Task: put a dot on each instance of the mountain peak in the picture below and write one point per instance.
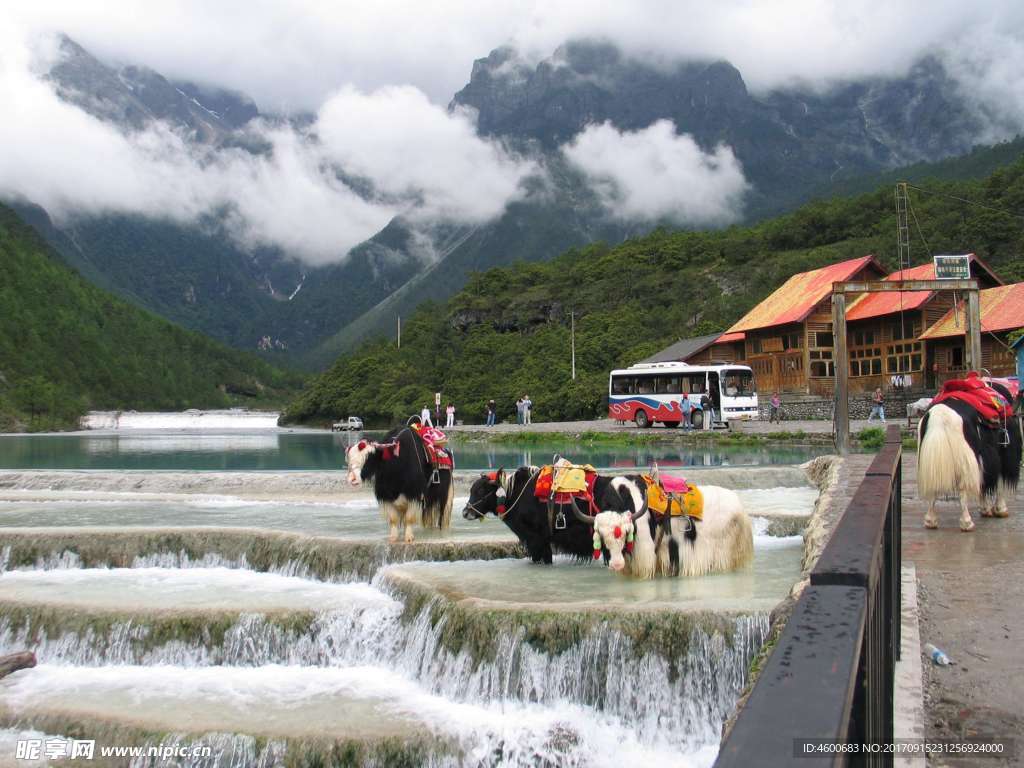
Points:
(132, 96)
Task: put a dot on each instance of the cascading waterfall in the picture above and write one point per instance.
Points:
(605, 670)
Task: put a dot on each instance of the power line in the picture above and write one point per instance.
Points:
(969, 202)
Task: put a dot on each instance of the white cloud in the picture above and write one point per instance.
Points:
(411, 147)
(291, 55)
(654, 174)
(426, 162)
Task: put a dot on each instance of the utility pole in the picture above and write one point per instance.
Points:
(902, 226)
(572, 336)
(841, 415)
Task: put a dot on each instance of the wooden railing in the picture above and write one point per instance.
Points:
(825, 694)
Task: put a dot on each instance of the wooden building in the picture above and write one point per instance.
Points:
(1002, 311)
(787, 339)
(885, 331)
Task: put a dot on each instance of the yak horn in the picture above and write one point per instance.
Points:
(582, 516)
(643, 508)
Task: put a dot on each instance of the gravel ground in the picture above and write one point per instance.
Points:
(971, 588)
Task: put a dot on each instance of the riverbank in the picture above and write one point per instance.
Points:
(866, 434)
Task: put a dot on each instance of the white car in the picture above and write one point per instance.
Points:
(352, 424)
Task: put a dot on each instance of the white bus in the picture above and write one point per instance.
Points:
(650, 392)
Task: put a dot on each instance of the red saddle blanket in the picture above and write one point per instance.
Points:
(973, 390)
(439, 457)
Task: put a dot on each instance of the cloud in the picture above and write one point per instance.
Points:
(413, 148)
(421, 161)
(293, 55)
(654, 174)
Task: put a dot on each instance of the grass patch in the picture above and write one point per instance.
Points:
(872, 438)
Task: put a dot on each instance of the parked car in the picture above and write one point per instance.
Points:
(352, 424)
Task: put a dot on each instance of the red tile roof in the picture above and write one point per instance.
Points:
(727, 337)
(1002, 309)
(798, 296)
(869, 305)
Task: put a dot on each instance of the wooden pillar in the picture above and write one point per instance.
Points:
(842, 366)
(973, 331)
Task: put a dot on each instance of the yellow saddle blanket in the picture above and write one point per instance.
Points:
(690, 504)
(565, 477)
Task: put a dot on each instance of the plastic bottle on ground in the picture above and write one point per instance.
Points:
(937, 656)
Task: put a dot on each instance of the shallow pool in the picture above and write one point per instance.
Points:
(759, 586)
(351, 518)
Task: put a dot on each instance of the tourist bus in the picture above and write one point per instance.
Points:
(650, 392)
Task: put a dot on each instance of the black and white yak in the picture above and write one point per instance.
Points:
(960, 455)
(542, 530)
(407, 489)
(720, 542)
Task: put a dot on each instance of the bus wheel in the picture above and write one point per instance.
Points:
(641, 419)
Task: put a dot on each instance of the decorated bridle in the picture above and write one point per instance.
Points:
(500, 495)
(388, 450)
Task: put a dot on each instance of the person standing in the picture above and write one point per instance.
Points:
(527, 410)
(708, 406)
(449, 412)
(877, 405)
(491, 412)
(684, 406)
(519, 411)
(425, 419)
(776, 412)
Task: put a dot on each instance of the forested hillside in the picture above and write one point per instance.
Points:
(507, 332)
(67, 346)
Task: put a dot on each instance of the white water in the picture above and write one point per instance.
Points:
(603, 685)
(603, 701)
(239, 419)
(288, 701)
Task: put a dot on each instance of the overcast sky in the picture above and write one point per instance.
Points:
(379, 76)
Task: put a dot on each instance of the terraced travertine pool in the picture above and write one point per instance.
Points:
(237, 622)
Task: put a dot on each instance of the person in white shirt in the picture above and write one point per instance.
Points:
(450, 413)
(425, 419)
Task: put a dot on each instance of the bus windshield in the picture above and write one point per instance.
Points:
(738, 383)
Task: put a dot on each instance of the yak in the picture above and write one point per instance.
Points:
(542, 530)
(408, 488)
(721, 541)
(959, 454)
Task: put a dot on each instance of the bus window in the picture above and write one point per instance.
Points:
(645, 385)
(694, 383)
(667, 385)
(738, 383)
(622, 385)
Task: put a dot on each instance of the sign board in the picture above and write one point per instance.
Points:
(953, 267)
(771, 344)
(437, 398)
